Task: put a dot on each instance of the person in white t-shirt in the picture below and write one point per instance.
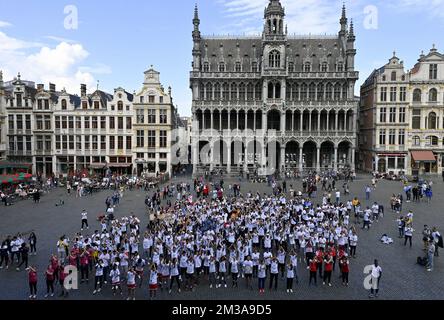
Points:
(115, 279)
(84, 215)
(131, 283)
(153, 281)
(376, 273)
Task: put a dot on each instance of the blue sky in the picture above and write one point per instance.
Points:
(116, 41)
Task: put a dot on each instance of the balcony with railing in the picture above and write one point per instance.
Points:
(19, 152)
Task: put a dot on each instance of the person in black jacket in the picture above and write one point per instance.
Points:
(32, 243)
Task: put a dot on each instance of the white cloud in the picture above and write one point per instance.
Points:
(4, 24)
(63, 64)
(60, 39)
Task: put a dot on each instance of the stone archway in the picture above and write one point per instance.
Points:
(345, 154)
(327, 155)
(274, 120)
(292, 155)
(309, 154)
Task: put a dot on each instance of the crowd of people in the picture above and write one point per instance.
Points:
(214, 235)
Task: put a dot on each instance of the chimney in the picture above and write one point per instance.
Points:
(40, 87)
(83, 90)
(52, 87)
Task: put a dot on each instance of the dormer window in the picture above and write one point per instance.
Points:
(274, 59)
(19, 99)
(384, 78)
(393, 76)
(324, 67)
(64, 107)
(120, 106)
(340, 67)
(96, 105)
(46, 104)
(150, 99)
(84, 105)
(254, 67)
(39, 104)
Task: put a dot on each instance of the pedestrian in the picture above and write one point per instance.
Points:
(84, 215)
(290, 277)
(98, 280)
(32, 243)
(345, 269)
(49, 274)
(366, 218)
(32, 279)
(24, 250)
(368, 191)
(4, 254)
(274, 272)
(174, 274)
(376, 274)
(328, 268)
(313, 267)
(114, 274)
(153, 281)
(408, 233)
(261, 275)
(131, 284)
(62, 277)
(248, 270)
(430, 255)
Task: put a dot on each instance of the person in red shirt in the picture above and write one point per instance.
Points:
(73, 258)
(55, 266)
(313, 267)
(320, 259)
(32, 278)
(62, 276)
(345, 269)
(84, 264)
(328, 269)
(333, 253)
(49, 274)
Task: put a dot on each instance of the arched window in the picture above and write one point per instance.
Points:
(217, 91)
(250, 92)
(120, 106)
(393, 76)
(307, 67)
(202, 92)
(431, 141)
(345, 92)
(337, 95)
(238, 67)
(417, 95)
(340, 66)
(270, 90)
(221, 67)
(291, 67)
(384, 78)
(209, 92)
(304, 92)
(432, 121)
(295, 92)
(416, 141)
(206, 67)
(329, 91)
(241, 91)
(225, 92)
(258, 91)
(277, 90)
(433, 95)
(233, 91)
(64, 104)
(312, 92)
(320, 95)
(274, 59)
(324, 67)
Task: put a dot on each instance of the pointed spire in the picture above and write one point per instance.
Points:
(18, 76)
(351, 34)
(196, 12)
(344, 12)
(433, 48)
(343, 21)
(1, 76)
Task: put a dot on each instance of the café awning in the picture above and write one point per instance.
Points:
(14, 178)
(423, 156)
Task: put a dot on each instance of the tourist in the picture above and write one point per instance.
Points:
(131, 284)
(115, 279)
(376, 274)
(408, 233)
(32, 279)
(345, 269)
(32, 243)
(262, 275)
(84, 215)
(153, 281)
(49, 274)
(430, 255)
(99, 276)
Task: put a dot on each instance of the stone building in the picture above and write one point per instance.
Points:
(274, 101)
(402, 117)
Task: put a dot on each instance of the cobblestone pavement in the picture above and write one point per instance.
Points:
(402, 277)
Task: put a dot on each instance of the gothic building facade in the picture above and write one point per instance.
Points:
(277, 101)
